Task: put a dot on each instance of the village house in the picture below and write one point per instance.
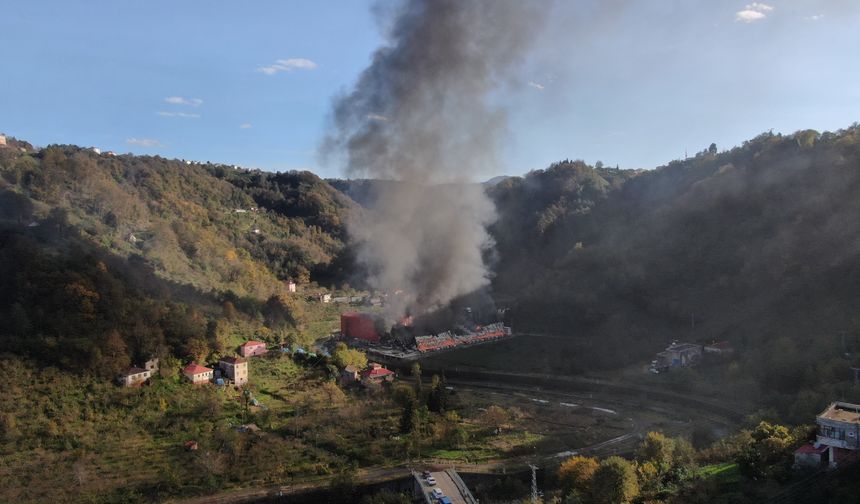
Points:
(325, 298)
(677, 355)
(197, 374)
(376, 374)
(2, 140)
(151, 365)
(235, 368)
(349, 375)
(838, 439)
(133, 377)
(252, 348)
(291, 286)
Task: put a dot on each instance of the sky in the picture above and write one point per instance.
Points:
(629, 83)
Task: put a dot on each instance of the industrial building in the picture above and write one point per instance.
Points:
(677, 355)
(361, 326)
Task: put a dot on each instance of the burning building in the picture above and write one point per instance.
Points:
(362, 326)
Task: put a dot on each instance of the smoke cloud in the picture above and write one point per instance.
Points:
(423, 114)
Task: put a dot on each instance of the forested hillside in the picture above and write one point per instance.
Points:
(758, 245)
(107, 259)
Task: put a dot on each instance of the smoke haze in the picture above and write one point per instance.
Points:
(421, 114)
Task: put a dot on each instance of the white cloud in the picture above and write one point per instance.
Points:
(535, 85)
(377, 117)
(816, 17)
(179, 114)
(755, 11)
(178, 100)
(143, 142)
(287, 65)
(245, 125)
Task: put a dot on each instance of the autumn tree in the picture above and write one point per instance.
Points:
(113, 355)
(575, 474)
(614, 482)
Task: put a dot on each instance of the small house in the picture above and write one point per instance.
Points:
(291, 286)
(151, 365)
(197, 374)
(235, 368)
(2, 140)
(811, 456)
(252, 348)
(325, 298)
(133, 377)
(349, 375)
(376, 373)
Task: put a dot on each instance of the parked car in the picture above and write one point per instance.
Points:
(426, 474)
(437, 494)
(444, 500)
(431, 481)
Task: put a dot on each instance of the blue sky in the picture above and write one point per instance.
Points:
(251, 83)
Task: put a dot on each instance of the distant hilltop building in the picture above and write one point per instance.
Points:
(2, 140)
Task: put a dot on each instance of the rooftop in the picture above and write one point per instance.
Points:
(842, 412)
(233, 360)
(133, 371)
(377, 372)
(811, 448)
(683, 346)
(194, 369)
(253, 343)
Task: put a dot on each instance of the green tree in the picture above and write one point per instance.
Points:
(614, 482)
(416, 373)
(15, 206)
(769, 452)
(344, 356)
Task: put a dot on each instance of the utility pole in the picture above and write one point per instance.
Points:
(535, 492)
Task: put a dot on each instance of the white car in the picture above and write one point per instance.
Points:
(437, 493)
(431, 481)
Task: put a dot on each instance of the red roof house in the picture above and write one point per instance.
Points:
(377, 374)
(252, 348)
(811, 455)
(197, 374)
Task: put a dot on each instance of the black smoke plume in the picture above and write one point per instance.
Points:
(425, 113)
